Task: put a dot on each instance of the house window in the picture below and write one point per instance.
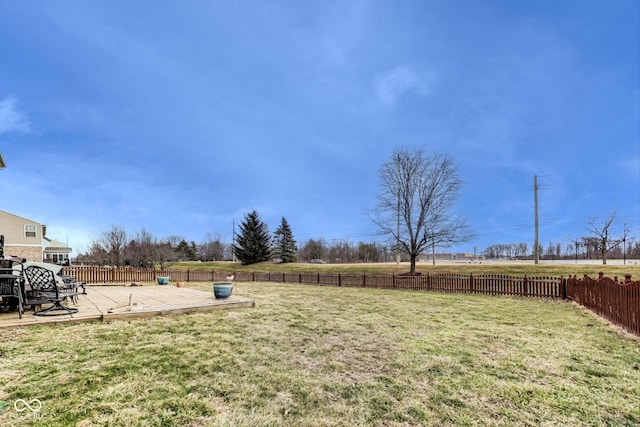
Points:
(29, 231)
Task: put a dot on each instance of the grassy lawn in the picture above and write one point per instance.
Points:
(325, 356)
(512, 268)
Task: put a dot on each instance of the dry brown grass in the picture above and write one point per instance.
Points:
(327, 356)
(513, 268)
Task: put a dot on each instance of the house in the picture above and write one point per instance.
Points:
(56, 252)
(27, 239)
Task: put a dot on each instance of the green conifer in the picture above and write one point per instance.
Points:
(252, 243)
(283, 245)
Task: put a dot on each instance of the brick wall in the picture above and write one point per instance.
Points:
(30, 253)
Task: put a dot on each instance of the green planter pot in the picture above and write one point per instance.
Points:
(222, 290)
(163, 280)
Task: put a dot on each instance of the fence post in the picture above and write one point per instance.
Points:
(472, 287)
(525, 286)
(563, 287)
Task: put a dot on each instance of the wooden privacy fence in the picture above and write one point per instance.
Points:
(91, 274)
(548, 287)
(618, 302)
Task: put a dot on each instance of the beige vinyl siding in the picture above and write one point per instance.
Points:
(13, 228)
(16, 242)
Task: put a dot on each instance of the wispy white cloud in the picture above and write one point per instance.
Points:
(11, 119)
(250, 113)
(396, 83)
(334, 36)
(631, 166)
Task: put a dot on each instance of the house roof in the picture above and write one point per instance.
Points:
(19, 217)
(54, 245)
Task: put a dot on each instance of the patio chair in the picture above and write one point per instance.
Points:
(12, 285)
(45, 290)
(73, 287)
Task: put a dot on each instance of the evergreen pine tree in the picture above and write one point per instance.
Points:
(193, 251)
(186, 252)
(284, 246)
(252, 243)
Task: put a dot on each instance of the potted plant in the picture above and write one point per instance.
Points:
(222, 290)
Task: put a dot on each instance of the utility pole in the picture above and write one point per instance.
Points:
(233, 241)
(433, 251)
(536, 250)
(624, 244)
(398, 234)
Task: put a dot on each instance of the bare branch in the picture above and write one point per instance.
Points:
(602, 240)
(414, 206)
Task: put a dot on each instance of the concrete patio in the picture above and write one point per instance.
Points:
(105, 303)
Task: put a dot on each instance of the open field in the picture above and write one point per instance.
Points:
(513, 268)
(326, 356)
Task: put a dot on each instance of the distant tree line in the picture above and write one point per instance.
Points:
(345, 252)
(142, 249)
(507, 250)
(600, 244)
(116, 247)
(583, 248)
(254, 243)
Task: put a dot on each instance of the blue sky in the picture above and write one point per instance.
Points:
(181, 117)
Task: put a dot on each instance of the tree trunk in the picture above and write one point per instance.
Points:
(413, 264)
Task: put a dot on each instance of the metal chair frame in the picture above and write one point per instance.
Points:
(44, 290)
(11, 284)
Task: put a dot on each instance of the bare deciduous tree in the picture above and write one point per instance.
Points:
(140, 251)
(601, 239)
(313, 249)
(164, 252)
(112, 242)
(416, 202)
(212, 248)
